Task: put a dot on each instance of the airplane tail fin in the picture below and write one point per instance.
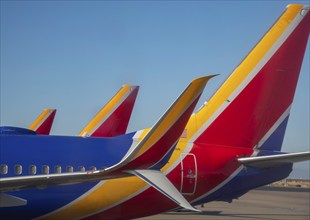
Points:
(112, 120)
(156, 146)
(43, 124)
(252, 107)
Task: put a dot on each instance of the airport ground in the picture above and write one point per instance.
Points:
(272, 203)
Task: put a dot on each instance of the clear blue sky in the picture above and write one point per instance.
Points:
(74, 55)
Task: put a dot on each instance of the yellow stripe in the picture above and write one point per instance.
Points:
(89, 128)
(34, 126)
(101, 197)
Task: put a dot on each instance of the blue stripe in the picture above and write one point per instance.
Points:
(274, 142)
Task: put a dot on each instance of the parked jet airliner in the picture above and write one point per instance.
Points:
(230, 146)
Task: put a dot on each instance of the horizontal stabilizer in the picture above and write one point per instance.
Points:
(11, 201)
(274, 160)
(161, 183)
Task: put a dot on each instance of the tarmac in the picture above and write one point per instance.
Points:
(263, 204)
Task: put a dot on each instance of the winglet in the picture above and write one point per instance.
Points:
(151, 151)
(43, 124)
(161, 183)
(113, 118)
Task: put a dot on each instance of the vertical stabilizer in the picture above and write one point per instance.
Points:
(113, 118)
(252, 107)
(43, 124)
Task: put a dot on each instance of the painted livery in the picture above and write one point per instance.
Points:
(230, 146)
